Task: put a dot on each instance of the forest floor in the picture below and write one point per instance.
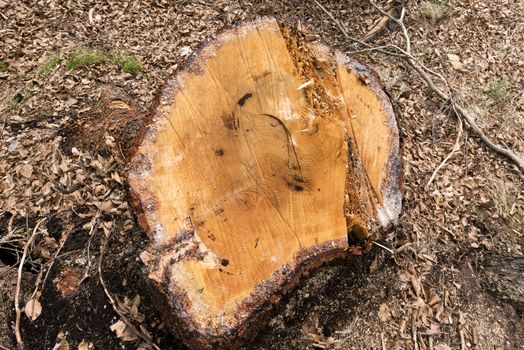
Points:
(456, 277)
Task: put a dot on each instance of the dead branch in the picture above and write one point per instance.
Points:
(19, 341)
(344, 31)
(462, 112)
(424, 73)
(114, 303)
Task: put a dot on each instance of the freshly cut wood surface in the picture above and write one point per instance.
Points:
(260, 159)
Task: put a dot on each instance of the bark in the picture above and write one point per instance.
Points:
(504, 278)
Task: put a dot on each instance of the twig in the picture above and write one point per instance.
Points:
(19, 342)
(345, 32)
(384, 247)
(423, 72)
(49, 267)
(455, 148)
(3, 347)
(94, 225)
(383, 341)
(378, 26)
(414, 330)
(114, 304)
(462, 112)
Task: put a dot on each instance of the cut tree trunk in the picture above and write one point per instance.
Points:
(264, 158)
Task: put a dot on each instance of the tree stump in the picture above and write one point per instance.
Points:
(265, 157)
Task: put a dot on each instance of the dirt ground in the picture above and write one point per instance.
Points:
(456, 278)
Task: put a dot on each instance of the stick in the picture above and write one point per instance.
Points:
(381, 24)
(345, 33)
(94, 226)
(423, 72)
(384, 247)
(49, 266)
(462, 112)
(114, 303)
(19, 341)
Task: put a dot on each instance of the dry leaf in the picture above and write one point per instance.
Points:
(62, 343)
(384, 313)
(26, 171)
(374, 265)
(123, 331)
(442, 346)
(84, 345)
(33, 309)
(455, 62)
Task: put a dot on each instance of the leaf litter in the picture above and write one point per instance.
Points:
(428, 295)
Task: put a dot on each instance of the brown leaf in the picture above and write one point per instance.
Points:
(455, 62)
(62, 343)
(84, 345)
(123, 331)
(33, 309)
(26, 170)
(384, 313)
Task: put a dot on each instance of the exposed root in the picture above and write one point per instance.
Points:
(18, 311)
(114, 303)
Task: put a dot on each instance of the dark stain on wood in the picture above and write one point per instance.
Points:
(244, 98)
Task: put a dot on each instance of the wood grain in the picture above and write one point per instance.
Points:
(259, 159)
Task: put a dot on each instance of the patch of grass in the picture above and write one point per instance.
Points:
(83, 57)
(434, 10)
(48, 65)
(499, 90)
(128, 64)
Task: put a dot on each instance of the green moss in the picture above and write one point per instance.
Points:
(128, 64)
(48, 65)
(3, 66)
(83, 57)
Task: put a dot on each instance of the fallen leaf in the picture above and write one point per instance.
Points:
(33, 309)
(442, 346)
(455, 62)
(13, 146)
(123, 331)
(26, 171)
(84, 345)
(374, 265)
(384, 313)
(62, 343)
